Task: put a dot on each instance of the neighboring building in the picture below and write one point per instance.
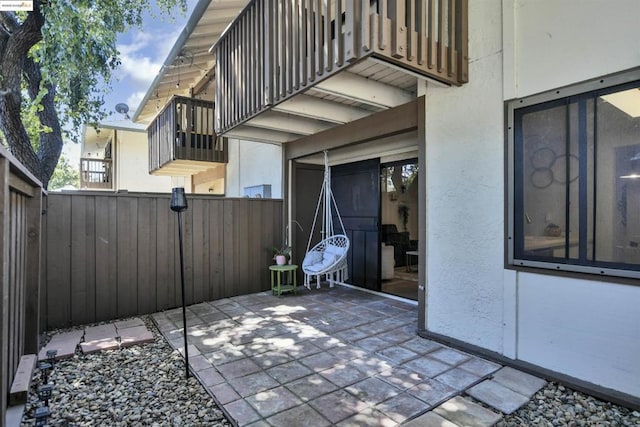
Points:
(506, 116)
(115, 158)
(182, 140)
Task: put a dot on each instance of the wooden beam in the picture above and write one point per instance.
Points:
(363, 90)
(321, 109)
(251, 133)
(216, 172)
(17, 184)
(386, 123)
(285, 122)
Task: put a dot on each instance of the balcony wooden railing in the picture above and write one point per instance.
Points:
(277, 48)
(184, 130)
(96, 174)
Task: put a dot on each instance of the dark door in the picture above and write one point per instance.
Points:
(307, 186)
(356, 189)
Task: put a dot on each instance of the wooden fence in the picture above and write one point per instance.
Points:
(20, 230)
(116, 255)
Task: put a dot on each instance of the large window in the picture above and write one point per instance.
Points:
(574, 178)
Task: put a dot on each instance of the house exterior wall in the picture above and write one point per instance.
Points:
(132, 165)
(253, 163)
(585, 328)
(465, 192)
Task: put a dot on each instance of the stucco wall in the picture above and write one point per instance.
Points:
(253, 163)
(465, 192)
(132, 165)
(589, 329)
(550, 43)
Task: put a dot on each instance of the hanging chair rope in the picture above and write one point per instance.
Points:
(327, 257)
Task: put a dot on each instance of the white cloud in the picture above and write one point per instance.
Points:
(134, 100)
(142, 58)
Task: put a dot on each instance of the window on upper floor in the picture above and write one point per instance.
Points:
(574, 178)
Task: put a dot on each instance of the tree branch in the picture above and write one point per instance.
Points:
(9, 21)
(51, 142)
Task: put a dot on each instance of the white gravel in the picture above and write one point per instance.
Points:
(556, 405)
(139, 385)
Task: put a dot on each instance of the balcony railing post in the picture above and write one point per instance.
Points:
(398, 28)
(462, 26)
(276, 48)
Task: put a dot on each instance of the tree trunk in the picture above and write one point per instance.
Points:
(14, 48)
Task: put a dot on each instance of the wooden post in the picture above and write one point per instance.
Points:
(33, 266)
(4, 286)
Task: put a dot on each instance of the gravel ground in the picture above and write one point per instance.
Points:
(145, 385)
(556, 405)
(138, 385)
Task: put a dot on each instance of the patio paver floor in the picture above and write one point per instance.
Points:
(335, 356)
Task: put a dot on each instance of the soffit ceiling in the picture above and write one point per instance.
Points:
(189, 66)
(367, 87)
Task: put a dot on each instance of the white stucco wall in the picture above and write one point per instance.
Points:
(558, 43)
(465, 192)
(585, 328)
(132, 165)
(253, 163)
(588, 329)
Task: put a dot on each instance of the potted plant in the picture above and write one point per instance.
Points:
(280, 255)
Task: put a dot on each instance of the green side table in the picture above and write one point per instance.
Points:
(278, 288)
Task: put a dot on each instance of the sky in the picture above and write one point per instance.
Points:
(142, 53)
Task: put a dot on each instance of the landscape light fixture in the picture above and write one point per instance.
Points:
(179, 204)
(45, 367)
(45, 392)
(42, 414)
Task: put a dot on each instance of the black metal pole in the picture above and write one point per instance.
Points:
(184, 304)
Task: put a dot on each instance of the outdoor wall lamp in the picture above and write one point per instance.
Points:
(178, 205)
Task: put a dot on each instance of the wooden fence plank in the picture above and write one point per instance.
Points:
(127, 245)
(59, 261)
(82, 260)
(106, 258)
(4, 285)
(216, 245)
(230, 252)
(147, 243)
(165, 279)
(33, 267)
(200, 249)
(187, 249)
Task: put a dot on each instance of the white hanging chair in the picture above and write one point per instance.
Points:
(329, 256)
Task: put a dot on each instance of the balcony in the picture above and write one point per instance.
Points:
(96, 174)
(182, 140)
(290, 68)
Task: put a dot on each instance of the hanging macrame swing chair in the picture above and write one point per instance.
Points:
(329, 256)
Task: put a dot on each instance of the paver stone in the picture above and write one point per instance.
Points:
(498, 396)
(463, 412)
(519, 381)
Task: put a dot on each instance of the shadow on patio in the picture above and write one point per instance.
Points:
(331, 356)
